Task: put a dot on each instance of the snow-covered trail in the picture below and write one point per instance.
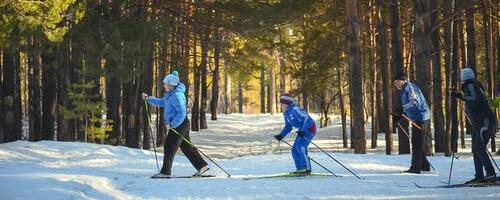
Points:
(67, 170)
(242, 145)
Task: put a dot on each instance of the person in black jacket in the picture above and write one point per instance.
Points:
(481, 119)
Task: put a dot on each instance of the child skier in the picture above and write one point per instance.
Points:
(175, 118)
(416, 108)
(482, 121)
(298, 118)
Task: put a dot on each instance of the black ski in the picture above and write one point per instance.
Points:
(488, 184)
(177, 177)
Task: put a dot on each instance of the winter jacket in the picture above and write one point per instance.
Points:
(173, 104)
(476, 105)
(413, 103)
(298, 118)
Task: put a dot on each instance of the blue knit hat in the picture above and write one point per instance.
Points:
(172, 79)
(466, 74)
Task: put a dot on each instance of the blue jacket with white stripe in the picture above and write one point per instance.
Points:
(414, 104)
(298, 118)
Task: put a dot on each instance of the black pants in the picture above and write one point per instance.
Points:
(480, 138)
(418, 159)
(173, 142)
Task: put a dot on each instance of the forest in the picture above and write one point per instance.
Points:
(74, 70)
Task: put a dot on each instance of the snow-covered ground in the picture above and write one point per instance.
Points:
(72, 170)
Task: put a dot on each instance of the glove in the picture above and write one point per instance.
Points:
(396, 117)
(456, 95)
(300, 134)
(278, 137)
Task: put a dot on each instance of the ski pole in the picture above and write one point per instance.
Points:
(407, 135)
(495, 162)
(451, 167)
(201, 152)
(154, 143)
(485, 147)
(333, 158)
(411, 121)
(314, 161)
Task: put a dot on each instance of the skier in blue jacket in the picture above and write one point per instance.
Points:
(415, 108)
(296, 117)
(175, 117)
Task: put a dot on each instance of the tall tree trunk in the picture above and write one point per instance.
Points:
(204, 86)
(342, 105)
(49, 93)
(240, 98)
(271, 85)
(490, 65)
(214, 102)
(386, 77)
(423, 26)
(355, 78)
(63, 83)
(375, 83)
(195, 110)
(437, 97)
(10, 96)
(449, 46)
(227, 90)
(35, 118)
(455, 64)
(148, 89)
(471, 39)
(262, 89)
(398, 68)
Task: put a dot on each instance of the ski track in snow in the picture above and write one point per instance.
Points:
(73, 170)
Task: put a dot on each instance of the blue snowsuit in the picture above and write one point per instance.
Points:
(296, 117)
(173, 104)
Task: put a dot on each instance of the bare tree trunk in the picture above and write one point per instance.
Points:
(448, 33)
(490, 65)
(375, 85)
(49, 93)
(204, 86)
(35, 118)
(471, 40)
(227, 90)
(214, 102)
(456, 63)
(262, 89)
(342, 108)
(386, 76)
(271, 90)
(355, 78)
(423, 27)
(10, 97)
(195, 110)
(397, 68)
(240, 98)
(148, 89)
(437, 96)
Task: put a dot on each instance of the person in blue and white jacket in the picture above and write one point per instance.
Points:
(296, 117)
(175, 118)
(415, 107)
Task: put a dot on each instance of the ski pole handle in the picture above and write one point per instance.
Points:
(411, 121)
